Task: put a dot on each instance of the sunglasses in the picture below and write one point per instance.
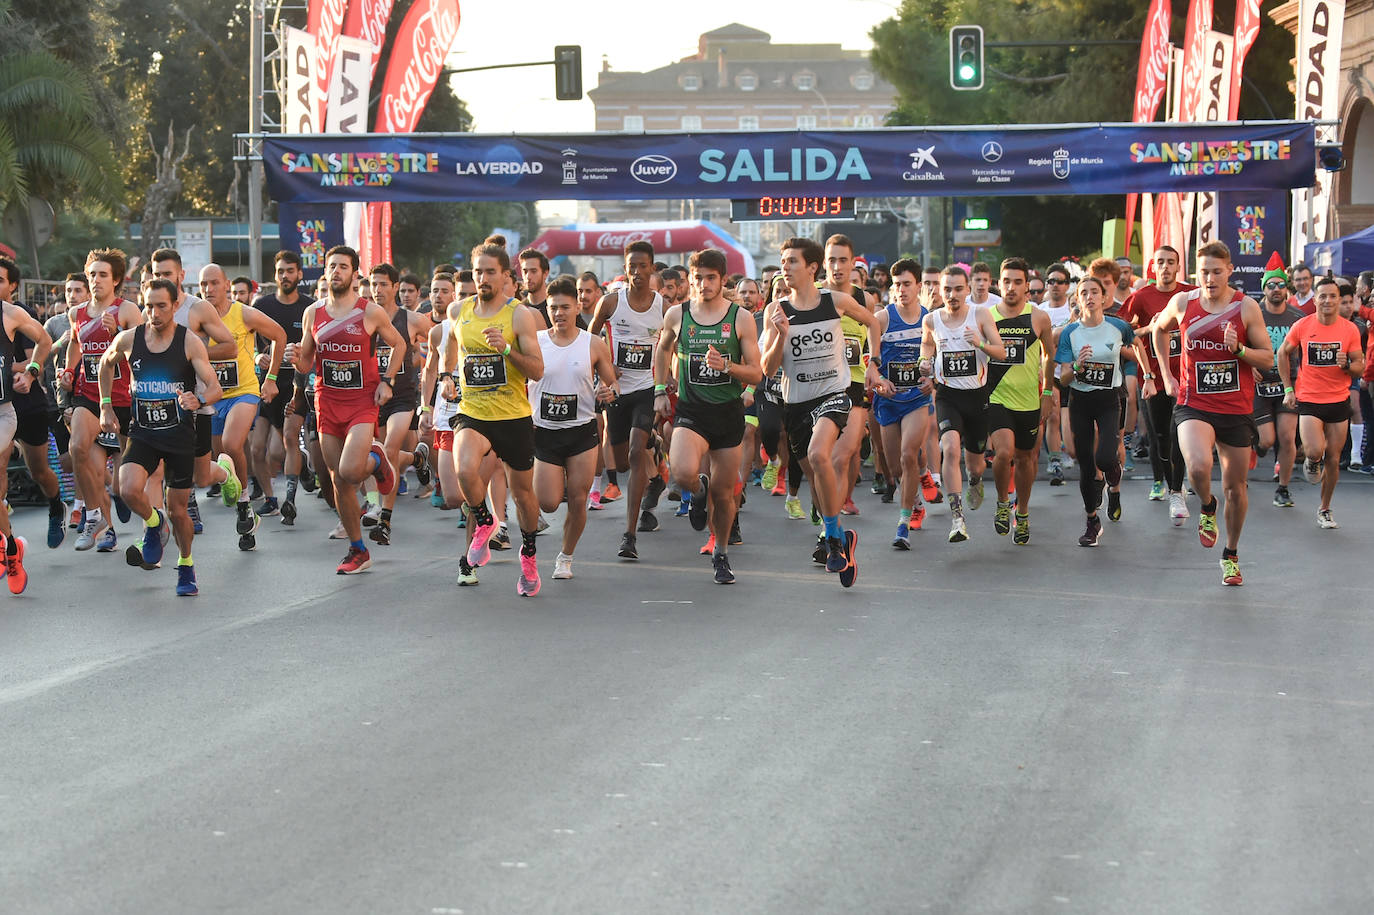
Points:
(1056, 282)
(1275, 285)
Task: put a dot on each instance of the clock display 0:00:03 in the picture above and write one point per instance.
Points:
(801, 206)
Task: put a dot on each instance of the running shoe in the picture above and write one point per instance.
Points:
(594, 501)
(918, 517)
(902, 539)
(371, 515)
(339, 532)
(248, 543)
(1022, 535)
(648, 522)
(1157, 492)
(384, 472)
(1178, 508)
(479, 552)
(77, 520)
(736, 535)
(1113, 506)
(215, 491)
(270, 507)
(611, 493)
(793, 507)
(889, 491)
(756, 476)
(769, 480)
(1230, 571)
(1207, 529)
(307, 478)
(356, 561)
(436, 498)
(1313, 471)
(193, 509)
(91, 530)
(709, 548)
(628, 547)
(815, 515)
(421, 464)
(57, 530)
(697, 514)
(819, 554)
(1092, 533)
(929, 490)
(958, 529)
(108, 541)
(849, 508)
(1326, 522)
(529, 582)
(652, 493)
(247, 521)
(721, 563)
(231, 487)
(381, 533)
(1001, 522)
(154, 540)
(674, 492)
(780, 488)
(402, 487)
(121, 510)
(1056, 472)
(562, 567)
(501, 539)
(254, 489)
(288, 512)
(1129, 464)
(850, 573)
(835, 560)
(879, 485)
(15, 573)
(1282, 498)
(541, 525)
(684, 505)
(467, 575)
(186, 581)
(133, 556)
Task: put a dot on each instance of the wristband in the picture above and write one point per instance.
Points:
(445, 376)
(35, 369)
(660, 389)
(1240, 350)
(506, 351)
(1048, 392)
(1288, 390)
(749, 389)
(106, 401)
(271, 377)
(426, 408)
(982, 345)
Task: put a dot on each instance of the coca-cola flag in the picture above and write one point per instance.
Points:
(324, 20)
(417, 58)
(1247, 30)
(1151, 79)
(367, 19)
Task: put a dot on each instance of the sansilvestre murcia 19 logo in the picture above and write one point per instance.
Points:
(359, 169)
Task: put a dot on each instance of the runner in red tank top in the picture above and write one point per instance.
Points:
(1224, 340)
(93, 328)
(337, 340)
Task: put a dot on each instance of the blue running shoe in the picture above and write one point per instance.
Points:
(186, 581)
(121, 510)
(152, 542)
(108, 541)
(684, 507)
(57, 527)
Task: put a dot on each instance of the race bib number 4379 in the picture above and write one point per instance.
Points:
(1218, 377)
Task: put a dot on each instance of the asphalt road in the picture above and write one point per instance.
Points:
(972, 728)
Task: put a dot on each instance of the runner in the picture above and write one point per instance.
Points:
(238, 405)
(1140, 310)
(17, 323)
(1277, 419)
(717, 353)
(1091, 354)
(980, 286)
(903, 413)
(563, 405)
(959, 339)
(166, 362)
(279, 426)
(337, 342)
(1061, 312)
(94, 326)
(1224, 342)
(802, 334)
(1022, 395)
(1327, 348)
(839, 270)
(498, 348)
(634, 316)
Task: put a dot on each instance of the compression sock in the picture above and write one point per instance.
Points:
(357, 545)
(292, 481)
(527, 546)
(481, 514)
(610, 475)
(832, 526)
(153, 520)
(906, 516)
(185, 560)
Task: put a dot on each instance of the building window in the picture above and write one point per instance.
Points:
(747, 82)
(806, 81)
(749, 122)
(806, 122)
(863, 81)
(634, 122)
(691, 122)
(863, 120)
(691, 82)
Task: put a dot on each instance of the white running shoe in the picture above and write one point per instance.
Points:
(1178, 508)
(1326, 522)
(338, 533)
(372, 516)
(562, 566)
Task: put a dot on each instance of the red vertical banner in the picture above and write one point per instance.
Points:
(367, 19)
(324, 21)
(1151, 78)
(1247, 30)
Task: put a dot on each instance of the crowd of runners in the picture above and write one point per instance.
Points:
(500, 385)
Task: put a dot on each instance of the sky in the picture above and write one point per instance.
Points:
(632, 36)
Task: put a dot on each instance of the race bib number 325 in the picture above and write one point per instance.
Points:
(484, 370)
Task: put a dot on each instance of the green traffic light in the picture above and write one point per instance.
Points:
(967, 72)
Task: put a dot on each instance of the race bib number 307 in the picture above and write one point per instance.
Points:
(1218, 377)
(633, 356)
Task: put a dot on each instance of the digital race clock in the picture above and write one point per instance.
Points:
(757, 209)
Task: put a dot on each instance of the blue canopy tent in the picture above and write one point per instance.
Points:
(1344, 256)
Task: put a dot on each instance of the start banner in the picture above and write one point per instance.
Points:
(943, 162)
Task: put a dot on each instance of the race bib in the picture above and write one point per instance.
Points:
(958, 363)
(1322, 354)
(904, 374)
(383, 359)
(108, 440)
(157, 414)
(700, 374)
(484, 370)
(1175, 345)
(1097, 374)
(633, 356)
(557, 408)
(1016, 351)
(1218, 377)
(1265, 388)
(342, 376)
(90, 364)
(853, 349)
(227, 373)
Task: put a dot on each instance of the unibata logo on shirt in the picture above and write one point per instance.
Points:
(1196, 343)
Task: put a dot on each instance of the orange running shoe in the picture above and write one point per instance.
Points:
(611, 493)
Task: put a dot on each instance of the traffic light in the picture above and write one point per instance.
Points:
(567, 72)
(966, 57)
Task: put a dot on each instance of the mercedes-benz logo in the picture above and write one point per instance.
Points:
(992, 151)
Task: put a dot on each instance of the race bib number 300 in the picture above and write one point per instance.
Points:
(701, 374)
(91, 364)
(958, 363)
(158, 414)
(484, 370)
(343, 376)
(633, 356)
(557, 408)
(1218, 377)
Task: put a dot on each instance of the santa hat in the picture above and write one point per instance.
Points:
(1274, 268)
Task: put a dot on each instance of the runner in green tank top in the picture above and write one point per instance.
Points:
(718, 354)
(1022, 395)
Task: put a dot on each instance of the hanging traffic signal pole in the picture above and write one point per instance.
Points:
(967, 46)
